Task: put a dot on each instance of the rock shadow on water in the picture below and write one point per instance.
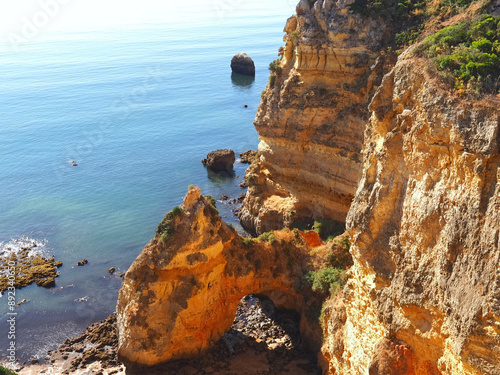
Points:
(241, 81)
(219, 177)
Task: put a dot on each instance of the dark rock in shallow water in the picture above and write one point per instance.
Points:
(243, 64)
(220, 161)
(82, 262)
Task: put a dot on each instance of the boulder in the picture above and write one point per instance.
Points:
(243, 64)
(220, 161)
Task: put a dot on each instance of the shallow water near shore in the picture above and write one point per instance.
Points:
(136, 108)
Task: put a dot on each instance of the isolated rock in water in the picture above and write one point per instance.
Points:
(243, 64)
(220, 161)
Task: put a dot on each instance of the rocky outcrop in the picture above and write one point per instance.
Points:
(220, 161)
(312, 117)
(243, 64)
(19, 269)
(424, 293)
(180, 295)
(248, 157)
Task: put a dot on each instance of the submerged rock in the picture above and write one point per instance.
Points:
(243, 64)
(29, 269)
(82, 262)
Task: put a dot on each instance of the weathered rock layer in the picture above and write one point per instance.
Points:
(424, 296)
(312, 117)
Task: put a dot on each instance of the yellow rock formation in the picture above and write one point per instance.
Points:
(311, 121)
(424, 291)
(180, 295)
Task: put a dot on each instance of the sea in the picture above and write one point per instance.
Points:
(136, 106)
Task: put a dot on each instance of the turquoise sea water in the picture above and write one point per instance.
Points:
(137, 108)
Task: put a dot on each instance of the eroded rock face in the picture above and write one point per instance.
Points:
(220, 161)
(180, 295)
(425, 223)
(311, 122)
(243, 64)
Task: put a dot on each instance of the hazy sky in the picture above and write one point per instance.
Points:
(24, 18)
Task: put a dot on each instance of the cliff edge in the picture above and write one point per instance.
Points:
(424, 293)
(312, 117)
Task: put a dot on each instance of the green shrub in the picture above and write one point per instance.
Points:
(327, 280)
(248, 241)
(211, 200)
(469, 51)
(190, 187)
(391, 10)
(6, 371)
(294, 35)
(267, 237)
(166, 227)
(176, 211)
(346, 243)
(275, 66)
(408, 37)
(339, 255)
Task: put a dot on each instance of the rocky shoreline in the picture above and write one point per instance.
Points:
(263, 340)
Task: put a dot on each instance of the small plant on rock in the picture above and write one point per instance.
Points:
(275, 67)
(267, 237)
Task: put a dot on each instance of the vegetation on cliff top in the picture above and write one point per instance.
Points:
(411, 17)
(166, 227)
(467, 54)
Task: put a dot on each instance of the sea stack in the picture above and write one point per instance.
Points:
(220, 161)
(243, 64)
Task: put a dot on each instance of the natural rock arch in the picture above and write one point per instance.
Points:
(180, 295)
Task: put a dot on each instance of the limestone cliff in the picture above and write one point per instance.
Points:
(180, 295)
(312, 117)
(424, 293)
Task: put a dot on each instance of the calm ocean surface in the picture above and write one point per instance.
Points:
(137, 108)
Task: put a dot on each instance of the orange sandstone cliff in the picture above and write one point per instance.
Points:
(180, 295)
(425, 224)
(312, 117)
